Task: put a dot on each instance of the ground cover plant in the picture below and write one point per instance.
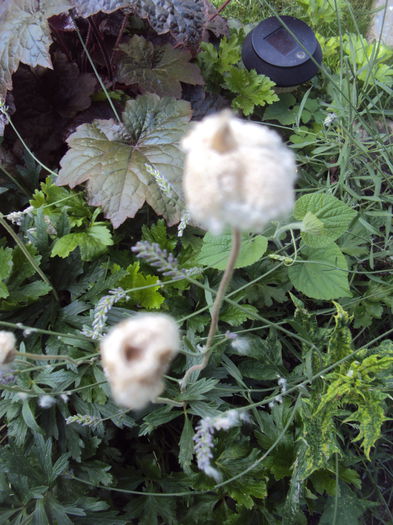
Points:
(274, 406)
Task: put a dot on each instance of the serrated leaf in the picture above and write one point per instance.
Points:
(196, 391)
(28, 417)
(236, 315)
(335, 216)
(149, 298)
(186, 446)
(258, 370)
(112, 157)
(251, 89)
(322, 274)
(91, 243)
(25, 36)
(156, 69)
(216, 249)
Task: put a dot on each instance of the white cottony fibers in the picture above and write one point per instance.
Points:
(237, 174)
(135, 355)
(7, 347)
(203, 438)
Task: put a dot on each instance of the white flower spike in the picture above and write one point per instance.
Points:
(237, 173)
(7, 347)
(135, 355)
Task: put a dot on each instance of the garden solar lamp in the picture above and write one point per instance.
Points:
(283, 48)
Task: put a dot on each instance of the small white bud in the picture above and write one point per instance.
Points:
(46, 401)
(135, 355)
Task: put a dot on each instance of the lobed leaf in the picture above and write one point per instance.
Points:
(156, 69)
(112, 157)
(25, 35)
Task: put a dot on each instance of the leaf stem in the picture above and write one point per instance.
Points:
(226, 278)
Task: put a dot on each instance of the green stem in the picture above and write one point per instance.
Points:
(45, 357)
(215, 313)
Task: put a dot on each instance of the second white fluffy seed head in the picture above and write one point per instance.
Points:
(237, 174)
(135, 355)
(7, 347)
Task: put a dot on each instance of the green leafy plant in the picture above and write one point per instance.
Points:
(221, 69)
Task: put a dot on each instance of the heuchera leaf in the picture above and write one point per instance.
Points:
(112, 157)
(25, 35)
(184, 19)
(322, 274)
(156, 69)
(85, 8)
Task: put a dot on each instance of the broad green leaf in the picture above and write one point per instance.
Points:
(216, 249)
(112, 157)
(251, 89)
(91, 243)
(156, 69)
(283, 110)
(335, 216)
(149, 298)
(322, 273)
(25, 36)
(346, 508)
(5, 269)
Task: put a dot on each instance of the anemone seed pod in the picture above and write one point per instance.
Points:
(7, 347)
(135, 355)
(237, 173)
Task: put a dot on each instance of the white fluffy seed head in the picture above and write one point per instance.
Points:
(7, 347)
(135, 355)
(237, 174)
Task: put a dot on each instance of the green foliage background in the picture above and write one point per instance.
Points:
(305, 338)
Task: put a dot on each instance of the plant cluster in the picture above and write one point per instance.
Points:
(274, 383)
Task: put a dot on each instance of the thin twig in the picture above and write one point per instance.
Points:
(122, 28)
(221, 8)
(226, 278)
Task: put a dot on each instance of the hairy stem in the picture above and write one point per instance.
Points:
(215, 313)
